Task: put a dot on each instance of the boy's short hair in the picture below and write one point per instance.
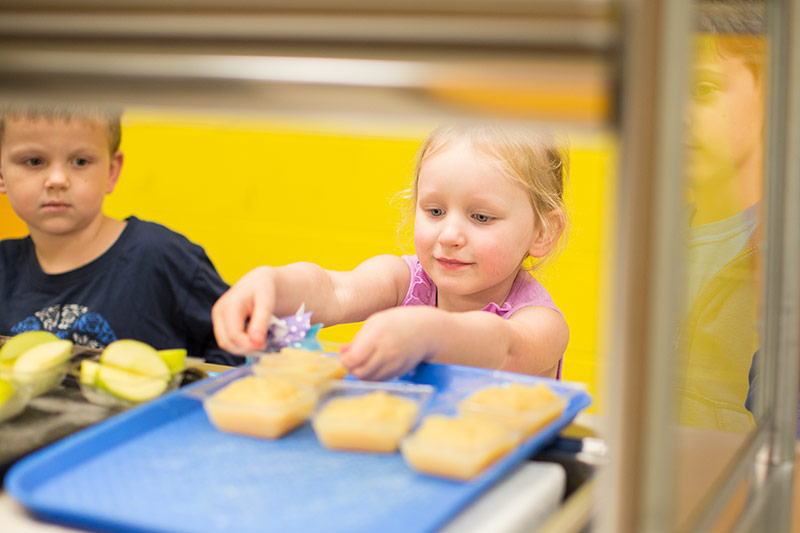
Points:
(110, 115)
(738, 27)
(735, 17)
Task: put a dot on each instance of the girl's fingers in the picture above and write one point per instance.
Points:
(359, 350)
(229, 319)
(380, 365)
(261, 312)
(360, 357)
(248, 299)
(403, 368)
(379, 350)
(220, 333)
(371, 369)
(354, 355)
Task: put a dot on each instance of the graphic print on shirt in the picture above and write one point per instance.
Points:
(70, 322)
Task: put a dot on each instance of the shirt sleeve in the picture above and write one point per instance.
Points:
(203, 290)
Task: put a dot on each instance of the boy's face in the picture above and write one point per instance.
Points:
(726, 116)
(56, 173)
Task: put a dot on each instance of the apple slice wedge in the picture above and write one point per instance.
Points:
(131, 370)
(88, 374)
(22, 342)
(13, 399)
(128, 385)
(7, 390)
(175, 358)
(43, 366)
(135, 357)
(43, 357)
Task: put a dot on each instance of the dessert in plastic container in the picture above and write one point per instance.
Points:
(457, 448)
(368, 416)
(119, 388)
(313, 368)
(522, 407)
(14, 397)
(268, 406)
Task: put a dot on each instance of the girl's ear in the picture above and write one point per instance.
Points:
(545, 238)
(114, 169)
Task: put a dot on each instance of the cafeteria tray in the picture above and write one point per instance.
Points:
(162, 467)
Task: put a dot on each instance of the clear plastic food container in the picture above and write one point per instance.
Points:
(522, 407)
(368, 416)
(117, 388)
(14, 397)
(312, 368)
(268, 406)
(37, 382)
(457, 448)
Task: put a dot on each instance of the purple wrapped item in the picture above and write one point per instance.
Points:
(294, 331)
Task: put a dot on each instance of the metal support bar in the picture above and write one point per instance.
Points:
(649, 244)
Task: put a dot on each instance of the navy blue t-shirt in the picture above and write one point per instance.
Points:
(152, 284)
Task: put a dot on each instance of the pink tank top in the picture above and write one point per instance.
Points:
(525, 291)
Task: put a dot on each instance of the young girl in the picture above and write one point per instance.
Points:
(485, 200)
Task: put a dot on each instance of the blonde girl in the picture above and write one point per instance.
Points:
(488, 206)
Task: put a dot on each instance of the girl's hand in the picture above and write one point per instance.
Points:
(253, 298)
(390, 343)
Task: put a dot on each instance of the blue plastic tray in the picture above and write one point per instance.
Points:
(163, 467)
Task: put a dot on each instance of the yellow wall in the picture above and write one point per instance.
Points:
(257, 191)
(10, 225)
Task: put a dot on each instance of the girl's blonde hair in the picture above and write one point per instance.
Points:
(523, 155)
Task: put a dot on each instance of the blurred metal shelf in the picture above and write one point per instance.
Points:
(568, 8)
(550, 28)
(545, 61)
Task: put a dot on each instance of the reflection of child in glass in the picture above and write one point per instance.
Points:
(485, 199)
(725, 174)
(81, 274)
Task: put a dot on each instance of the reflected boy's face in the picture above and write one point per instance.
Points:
(726, 119)
(57, 172)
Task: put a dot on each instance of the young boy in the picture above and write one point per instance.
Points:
(725, 149)
(81, 274)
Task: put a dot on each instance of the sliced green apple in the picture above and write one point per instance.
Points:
(175, 359)
(89, 371)
(42, 366)
(42, 357)
(6, 366)
(22, 342)
(7, 390)
(134, 357)
(128, 385)
(12, 400)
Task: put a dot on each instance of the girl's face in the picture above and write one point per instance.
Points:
(472, 228)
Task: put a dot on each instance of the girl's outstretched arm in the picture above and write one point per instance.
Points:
(241, 315)
(392, 342)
